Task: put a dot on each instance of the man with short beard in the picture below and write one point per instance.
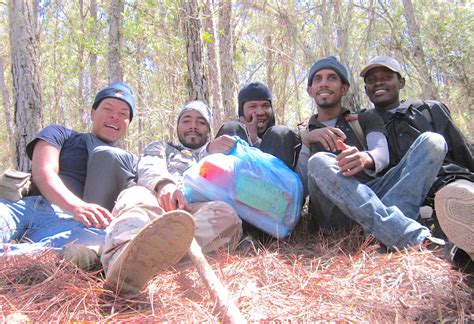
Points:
(153, 229)
(339, 169)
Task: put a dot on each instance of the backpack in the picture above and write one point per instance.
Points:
(418, 116)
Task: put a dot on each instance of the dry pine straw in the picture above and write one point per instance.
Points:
(341, 278)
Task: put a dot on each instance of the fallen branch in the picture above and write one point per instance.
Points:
(225, 305)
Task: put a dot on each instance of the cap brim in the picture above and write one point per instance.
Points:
(374, 65)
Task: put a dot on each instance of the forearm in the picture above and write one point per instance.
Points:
(378, 152)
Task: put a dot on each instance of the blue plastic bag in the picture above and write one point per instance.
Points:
(260, 187)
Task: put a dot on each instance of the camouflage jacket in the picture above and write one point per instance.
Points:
(163, 161)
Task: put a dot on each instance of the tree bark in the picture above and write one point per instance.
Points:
(116, 40)
(226, 53)
(197, 81)
(24, 44)
(427, 85)
(214, 68)
(5, 99)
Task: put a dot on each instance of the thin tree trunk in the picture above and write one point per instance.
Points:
(226, 53)
(24, 44)
(81, 77)
(213, 65)
(116, 40)
(427, 85)
(92, 61)
(197, 82)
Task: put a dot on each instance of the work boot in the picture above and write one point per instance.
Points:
(454, 205)
(158, 245)
(84, 257)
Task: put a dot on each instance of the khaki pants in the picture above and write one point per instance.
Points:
(217, 224)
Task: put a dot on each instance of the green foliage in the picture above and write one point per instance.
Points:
(274, 42)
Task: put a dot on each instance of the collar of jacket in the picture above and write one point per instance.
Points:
(313, 122)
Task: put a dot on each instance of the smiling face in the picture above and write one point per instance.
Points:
(110, 120)
(193, 129)
(327, 89)
(260, 109)
(383, 86)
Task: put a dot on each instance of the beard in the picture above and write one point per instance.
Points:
(193, 142)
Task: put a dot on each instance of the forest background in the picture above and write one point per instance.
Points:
(55, 55)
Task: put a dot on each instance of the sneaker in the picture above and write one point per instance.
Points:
(84, 257)
(454, 205)
(160, 244)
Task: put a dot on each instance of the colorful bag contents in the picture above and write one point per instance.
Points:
(260, 187)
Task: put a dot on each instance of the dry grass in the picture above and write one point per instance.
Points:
(304, 278)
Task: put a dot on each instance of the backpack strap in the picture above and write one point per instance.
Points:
(353, 121)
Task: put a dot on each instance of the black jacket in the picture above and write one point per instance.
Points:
(415, 117)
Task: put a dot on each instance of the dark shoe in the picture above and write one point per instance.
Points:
(160, 244)
(85, 258)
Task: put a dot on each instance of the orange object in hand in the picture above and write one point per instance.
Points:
(340, 145)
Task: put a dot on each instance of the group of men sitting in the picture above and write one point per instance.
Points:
(375, 168)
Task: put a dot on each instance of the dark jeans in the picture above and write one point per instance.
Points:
(279, 141)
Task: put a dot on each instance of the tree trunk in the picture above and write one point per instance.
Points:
(214, 68)
(92, 61)
(226, 53)
(116, 40)
(197, 82)
(24, 44)
(427, 85)
(6, 100)
(81, 107)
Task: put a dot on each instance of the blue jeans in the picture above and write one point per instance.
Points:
(45, 225)
(387, 206)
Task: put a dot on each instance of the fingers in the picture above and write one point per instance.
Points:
(350, 161)
(222, 144)
(327, 136)
(93, 215)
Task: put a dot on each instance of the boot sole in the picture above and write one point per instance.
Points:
(454, 207)
(159, 245)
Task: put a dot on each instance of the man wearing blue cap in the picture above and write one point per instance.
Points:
(78, 177)
(339, 167)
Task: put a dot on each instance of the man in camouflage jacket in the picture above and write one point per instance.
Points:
(153, 229)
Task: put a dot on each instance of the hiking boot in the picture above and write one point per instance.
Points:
(84, 257)
(158, 245)
(454, 205)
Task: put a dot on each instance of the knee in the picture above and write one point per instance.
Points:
(320, 163)
(232, 128)
(134, 196)
(435, 142)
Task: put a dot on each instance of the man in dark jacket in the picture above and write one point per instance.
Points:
(453, 189)
(256, 125)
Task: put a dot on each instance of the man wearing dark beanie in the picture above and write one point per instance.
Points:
(256, 125)
(78, 177)
(341, 161)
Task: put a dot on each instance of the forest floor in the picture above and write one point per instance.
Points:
(306, 277)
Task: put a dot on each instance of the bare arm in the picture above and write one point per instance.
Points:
(45, 170)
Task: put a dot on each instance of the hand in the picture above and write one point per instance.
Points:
(351, 161)
(251, 127)
(327, 136)
(92, 215)
(222, 144)
(171, 198)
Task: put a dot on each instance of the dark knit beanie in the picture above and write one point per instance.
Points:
(118, 90)
(254, 91)
(330, 63)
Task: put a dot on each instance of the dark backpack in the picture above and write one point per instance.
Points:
(419, 116)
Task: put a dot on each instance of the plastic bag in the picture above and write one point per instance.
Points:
(260, 187)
